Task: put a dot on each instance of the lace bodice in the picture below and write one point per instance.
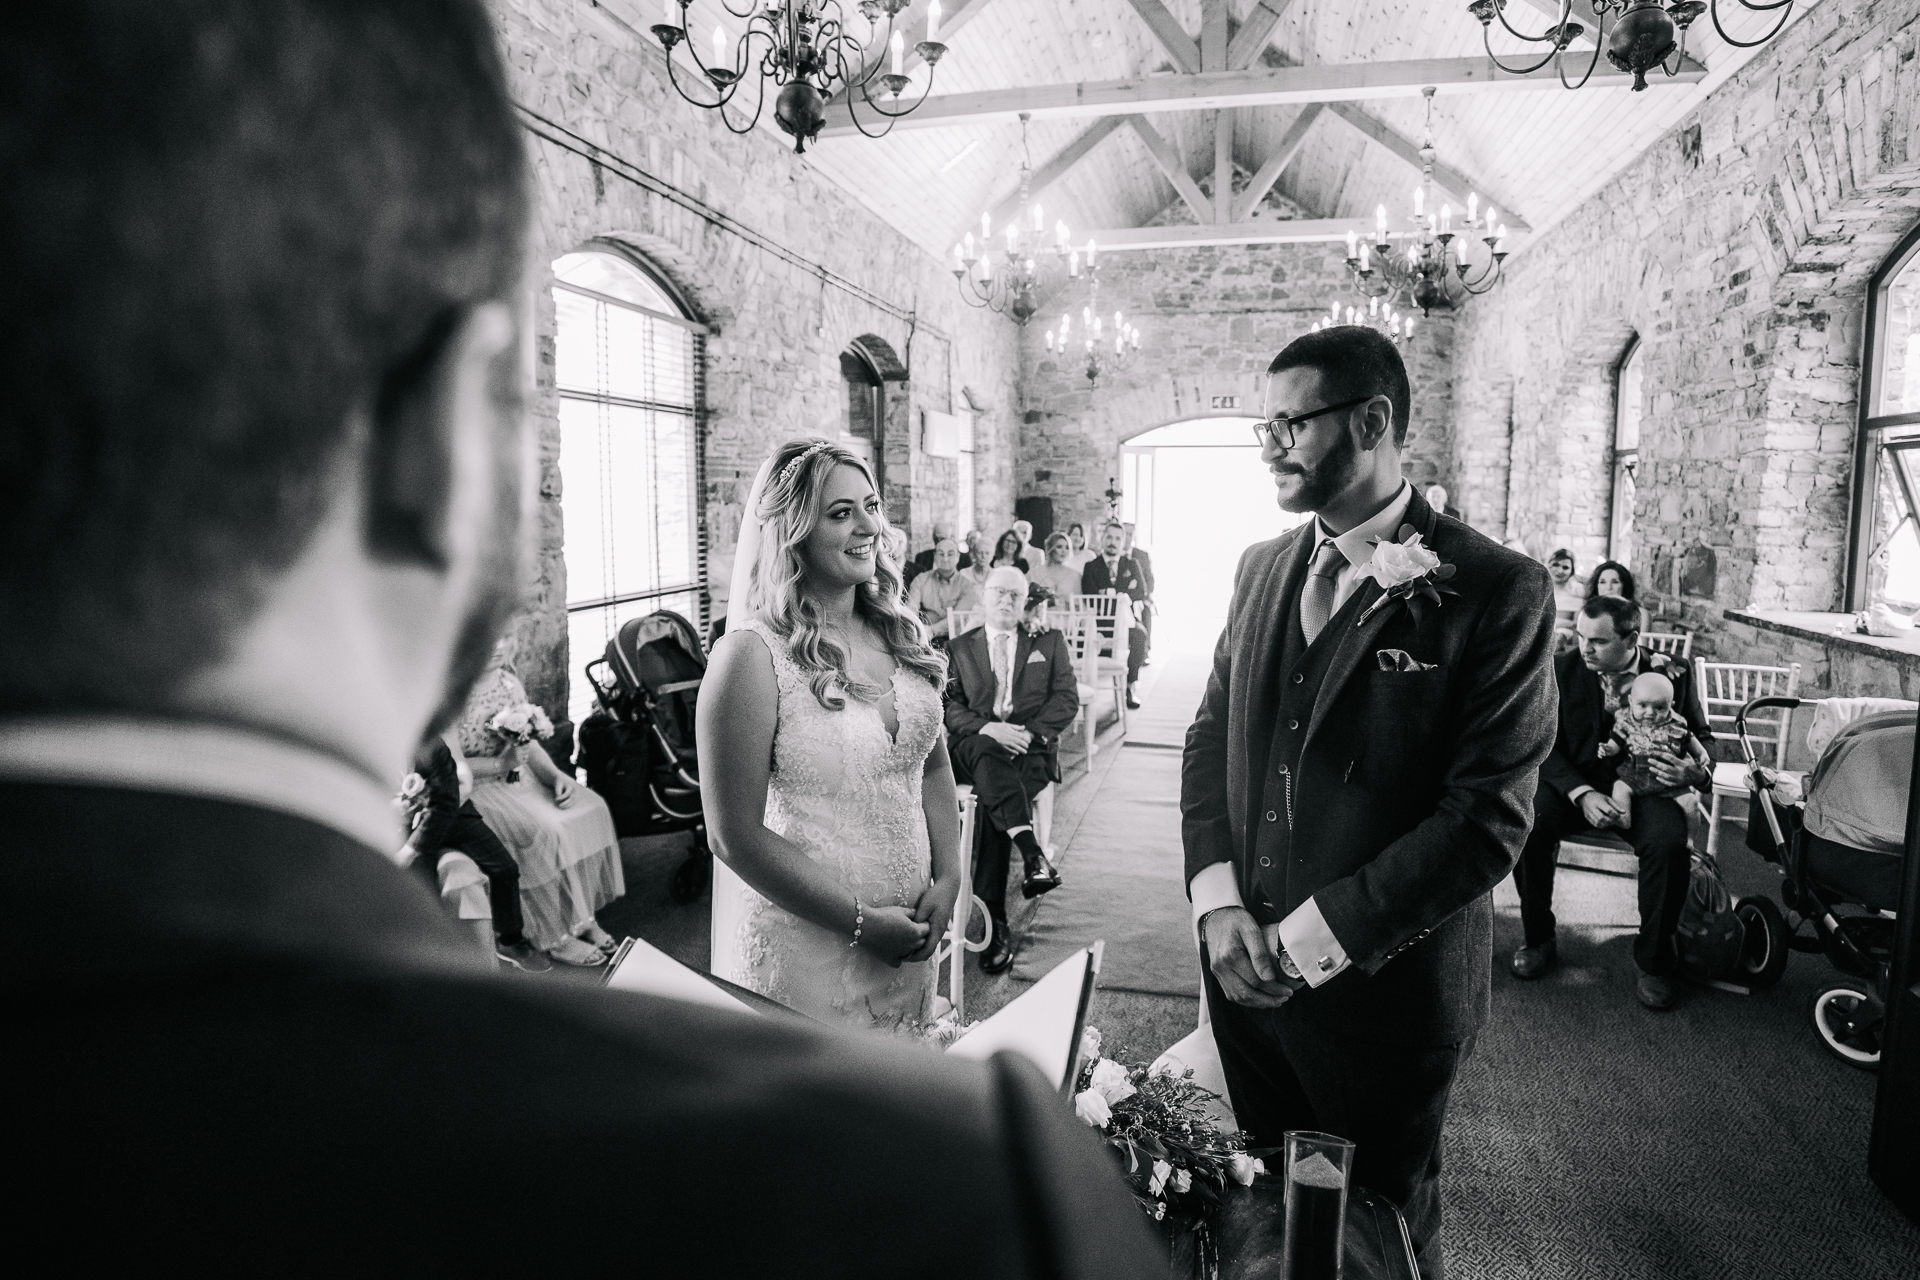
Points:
(848, 795)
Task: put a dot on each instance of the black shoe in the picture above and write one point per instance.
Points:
(1531, 962)
(1133, 704)
(1655, 992)
(1041, 876)
(521, 955)
(999, 953)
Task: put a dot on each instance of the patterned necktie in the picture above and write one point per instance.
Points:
(1316, 597)
(1002, 673)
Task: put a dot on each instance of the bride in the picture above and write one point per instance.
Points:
(828, 794)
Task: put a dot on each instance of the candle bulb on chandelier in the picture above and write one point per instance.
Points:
(1073, 265)
(1060, 235)
(1473, 203)
(1380, 224)
(1352, 238)
(969, 244)
(1089, 255)
(899, 51)
(1039, 223)
(959, 260)
(719, 46)
(1419, 201)
(1490, 221)
(1373, 307)
(671, 10)
(986, 227)
(1366, 263)
(1446, 219)
(933, 22)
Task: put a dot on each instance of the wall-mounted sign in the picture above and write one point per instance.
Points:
(1224, 402)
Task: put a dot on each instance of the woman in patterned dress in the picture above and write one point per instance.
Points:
(824, 771)
(560, 833)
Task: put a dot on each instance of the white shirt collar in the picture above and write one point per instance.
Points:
(198, 758)
(1355, 543)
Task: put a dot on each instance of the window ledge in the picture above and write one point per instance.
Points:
(1832, 629)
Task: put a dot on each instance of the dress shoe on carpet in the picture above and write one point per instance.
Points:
(1041, 876)
(999, 953)
(1655, 992)
(1133, 703)
(1531, 962)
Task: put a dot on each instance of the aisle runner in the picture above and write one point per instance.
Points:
(1123, 871)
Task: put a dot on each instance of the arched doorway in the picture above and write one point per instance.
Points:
(1198, 497)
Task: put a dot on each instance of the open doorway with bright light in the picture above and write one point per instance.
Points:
(1198, 496)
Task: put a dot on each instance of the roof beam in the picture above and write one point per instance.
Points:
(1222, 167)
(1056, 168)
(1172, 37)
(1283, 155)
(1211, 90)
(1173, 166)
(1265, 231)
(1451, 182)
(1213, 35)
(1251, 40)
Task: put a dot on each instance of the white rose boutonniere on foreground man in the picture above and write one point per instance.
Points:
(1407, 570)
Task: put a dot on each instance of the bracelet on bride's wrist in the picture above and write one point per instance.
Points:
(859, 922)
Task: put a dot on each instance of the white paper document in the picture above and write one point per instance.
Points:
(1044, 1023)
(641, 966)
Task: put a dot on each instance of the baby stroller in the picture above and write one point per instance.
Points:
(1841, 854)
(638, 748)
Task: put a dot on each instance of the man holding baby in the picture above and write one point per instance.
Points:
(1601, 690)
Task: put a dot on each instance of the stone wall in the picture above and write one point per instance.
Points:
(777, 325)
(1210, 320)
(1738, 250)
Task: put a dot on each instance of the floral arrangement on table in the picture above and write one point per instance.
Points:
(1407, 570)
(1179, 1162)
(520, 725)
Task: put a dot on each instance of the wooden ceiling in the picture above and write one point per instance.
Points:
(1325, 93)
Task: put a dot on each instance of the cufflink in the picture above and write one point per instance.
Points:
(1326, 964)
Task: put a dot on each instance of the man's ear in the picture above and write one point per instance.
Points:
(413, 453)
(1376, 422)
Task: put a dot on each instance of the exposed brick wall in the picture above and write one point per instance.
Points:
(773, 355)
(1211, 320)
(1738, 249)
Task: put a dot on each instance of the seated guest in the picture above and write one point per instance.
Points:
(941, 588)
(1028, 552)
(1576, 785)
(1569, 593)
(559, 832)
(1611, 578)
(1007, 552)
(1060, 579)
(1113, 573)
(924, 561)
(1138, 554)
(1010, 695)
(448, 821)
(267, 484)
(977, 559)
(1081, 552)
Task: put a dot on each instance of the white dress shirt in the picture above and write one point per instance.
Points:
(1305, 934)
(201, 758)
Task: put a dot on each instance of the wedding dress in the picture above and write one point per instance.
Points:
(846, 792)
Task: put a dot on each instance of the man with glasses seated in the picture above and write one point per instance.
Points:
(1010, 695)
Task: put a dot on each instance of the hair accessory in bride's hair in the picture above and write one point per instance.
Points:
(787, 472)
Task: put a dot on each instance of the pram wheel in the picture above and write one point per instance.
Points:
(690, 877)
(1764, 942)
(1848, 1019)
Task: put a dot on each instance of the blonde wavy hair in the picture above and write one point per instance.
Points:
(790, 510)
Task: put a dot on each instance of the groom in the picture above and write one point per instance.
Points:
(1359, 776)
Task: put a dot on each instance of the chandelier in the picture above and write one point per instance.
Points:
(1124, 337)
(1375, 315)
(1010, 291)
(1642, 35)
(1433, 271)
(804, 47)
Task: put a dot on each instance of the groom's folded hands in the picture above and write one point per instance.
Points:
(1238, 955)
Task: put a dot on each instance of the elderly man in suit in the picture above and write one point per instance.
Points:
(267, 470)
(1358, 778)
(1575, 793)
(1113, 572)
(1010, 695)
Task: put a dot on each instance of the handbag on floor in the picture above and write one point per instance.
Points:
(1709, 934)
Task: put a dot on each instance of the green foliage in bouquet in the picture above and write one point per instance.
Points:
(1178, 1162)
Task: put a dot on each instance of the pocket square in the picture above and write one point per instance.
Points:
(1036, 657)
(1400, 660)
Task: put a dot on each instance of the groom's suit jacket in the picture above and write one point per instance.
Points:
(1396, 799)
(247, 1043)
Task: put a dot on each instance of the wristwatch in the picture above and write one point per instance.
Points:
(1288, 967)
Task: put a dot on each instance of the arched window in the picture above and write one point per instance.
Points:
(1886, 505)
(866, 404)
(627, 366)
(1627, 406)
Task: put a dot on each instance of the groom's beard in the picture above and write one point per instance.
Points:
(1326, 479)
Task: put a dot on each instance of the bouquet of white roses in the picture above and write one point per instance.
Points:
(1178, 1161)
(521, 724)
(412, 800)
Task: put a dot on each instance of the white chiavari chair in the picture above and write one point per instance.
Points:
(1725, 687)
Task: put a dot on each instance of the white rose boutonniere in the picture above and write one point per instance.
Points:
(1407, 570)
